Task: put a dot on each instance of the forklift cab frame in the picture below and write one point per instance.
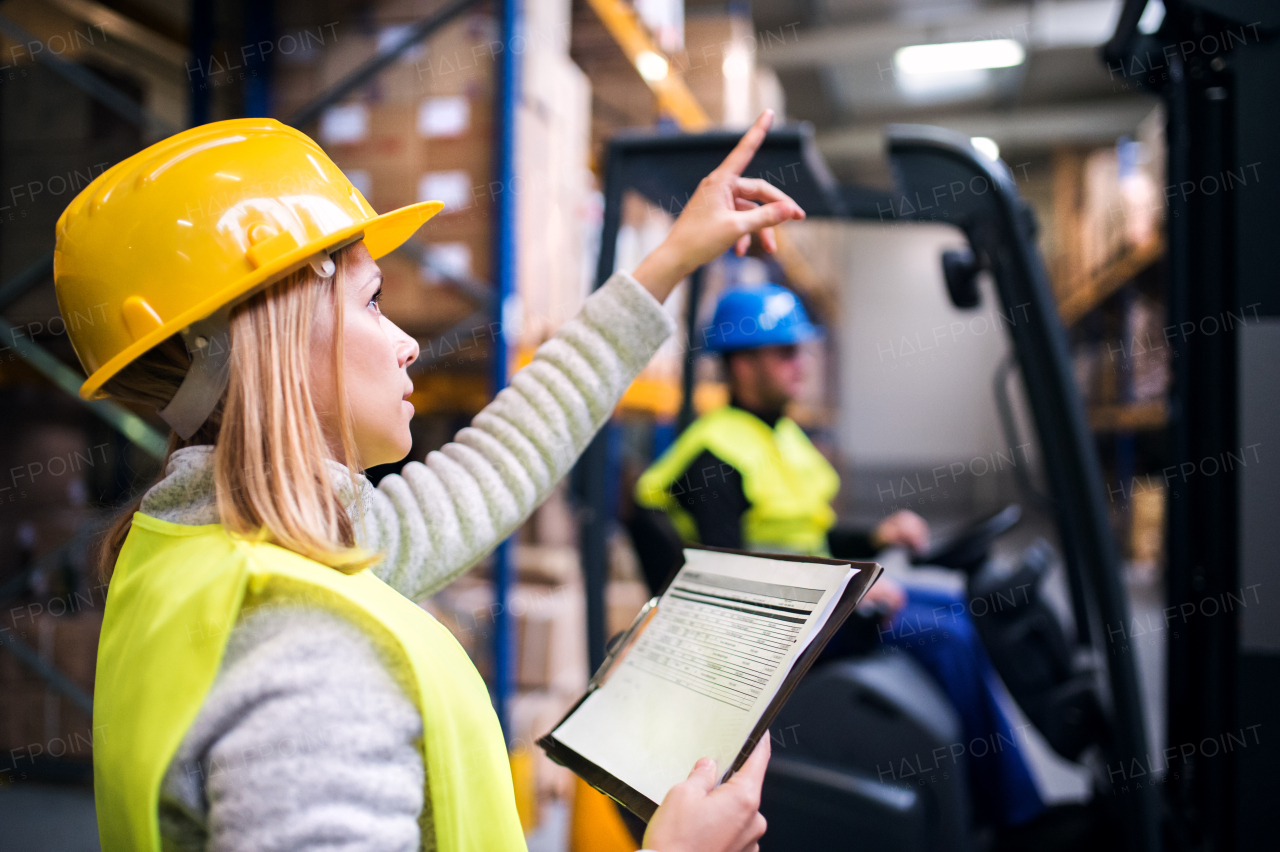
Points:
(940, 178)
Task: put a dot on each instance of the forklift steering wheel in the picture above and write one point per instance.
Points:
(967, 550)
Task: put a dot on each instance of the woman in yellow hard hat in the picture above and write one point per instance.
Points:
(264, 680)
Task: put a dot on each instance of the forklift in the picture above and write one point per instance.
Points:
(1079, 689)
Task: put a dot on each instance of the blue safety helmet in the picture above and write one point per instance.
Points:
(755, 316)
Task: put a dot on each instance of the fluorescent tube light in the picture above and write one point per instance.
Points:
(956, 56)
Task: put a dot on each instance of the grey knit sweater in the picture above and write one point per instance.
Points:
(305, 740)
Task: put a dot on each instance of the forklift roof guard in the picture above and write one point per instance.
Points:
(939, 177)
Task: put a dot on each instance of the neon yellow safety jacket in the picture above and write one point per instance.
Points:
(175, 595)
(786, 480)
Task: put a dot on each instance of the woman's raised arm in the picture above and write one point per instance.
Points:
(435, 520)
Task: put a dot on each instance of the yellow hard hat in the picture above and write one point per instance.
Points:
(196, 223)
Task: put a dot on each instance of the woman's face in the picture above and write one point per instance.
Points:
(375, 358)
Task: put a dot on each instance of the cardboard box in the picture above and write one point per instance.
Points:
(1146, 351)
(555, 521)
(624, 599)
(1068, 220)
(470, 228)
(552, 638)
(377, 141)
(462, 58)
(463, 607)
(554, 564)
(1102, 229)
(1146, 526)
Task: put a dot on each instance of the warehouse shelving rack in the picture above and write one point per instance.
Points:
(146, 437)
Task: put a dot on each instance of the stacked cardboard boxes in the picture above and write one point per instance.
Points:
(422, 130)
(548, 611)
(1108, 204)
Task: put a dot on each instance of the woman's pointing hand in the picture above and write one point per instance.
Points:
(724, 211)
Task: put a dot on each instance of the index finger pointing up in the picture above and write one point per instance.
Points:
(747, 145)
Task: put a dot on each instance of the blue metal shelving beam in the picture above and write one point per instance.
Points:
(503, 303)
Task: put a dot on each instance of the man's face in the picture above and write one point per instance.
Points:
(768, 377)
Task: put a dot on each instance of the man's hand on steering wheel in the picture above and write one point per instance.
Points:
(904, 528)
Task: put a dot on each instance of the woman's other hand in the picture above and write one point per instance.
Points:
(725, 210)
(698, 816)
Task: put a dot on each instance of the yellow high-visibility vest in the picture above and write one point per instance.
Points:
(175, 595)
(786, 480)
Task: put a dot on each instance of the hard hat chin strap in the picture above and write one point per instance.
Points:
(209, 345)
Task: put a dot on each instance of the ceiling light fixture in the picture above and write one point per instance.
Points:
(651, 66)
(956, 56)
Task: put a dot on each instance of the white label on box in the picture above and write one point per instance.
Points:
(451, 187)
(361, 180)
(442, 117)
(346, 124)
(449, 259)
(389, 37)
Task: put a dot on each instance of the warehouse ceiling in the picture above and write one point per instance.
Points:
(836, 62)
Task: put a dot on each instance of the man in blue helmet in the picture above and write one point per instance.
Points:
(746, 476)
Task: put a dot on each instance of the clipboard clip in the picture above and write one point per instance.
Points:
(618, 648)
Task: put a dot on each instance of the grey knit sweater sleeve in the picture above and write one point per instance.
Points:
(435, 520)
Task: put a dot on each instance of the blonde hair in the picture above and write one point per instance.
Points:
(270, 474)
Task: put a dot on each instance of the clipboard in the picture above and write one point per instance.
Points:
(635, 801)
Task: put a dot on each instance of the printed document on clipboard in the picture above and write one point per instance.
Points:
(704, 669)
